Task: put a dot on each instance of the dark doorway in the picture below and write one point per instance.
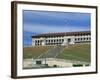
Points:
(38, 62)
(69, 40)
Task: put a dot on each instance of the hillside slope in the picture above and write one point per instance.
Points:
(77, 52)
(34, 52)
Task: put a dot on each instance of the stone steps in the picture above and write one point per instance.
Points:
(53, 52)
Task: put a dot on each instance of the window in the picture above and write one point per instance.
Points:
(75, 39)
(36, 41)
(51, 40)
(62, 40)
(54, 40)
(78, 39)
(59, 39)
(87, 38)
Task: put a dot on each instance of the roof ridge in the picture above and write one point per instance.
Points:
(62, 33)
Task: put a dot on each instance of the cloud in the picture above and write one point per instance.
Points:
(56, 18)
(57, 15)
(46, 29)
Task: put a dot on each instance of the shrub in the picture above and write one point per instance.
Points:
(77, 65)
(54, 65)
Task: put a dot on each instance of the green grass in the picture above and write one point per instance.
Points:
(34, 52)
(77, 52)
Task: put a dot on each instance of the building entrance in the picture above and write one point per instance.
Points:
(69, 40)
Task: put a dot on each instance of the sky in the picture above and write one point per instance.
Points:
(36, 22)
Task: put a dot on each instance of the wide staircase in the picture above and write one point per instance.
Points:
(52, 53)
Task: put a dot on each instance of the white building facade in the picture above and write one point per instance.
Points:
(64, 38)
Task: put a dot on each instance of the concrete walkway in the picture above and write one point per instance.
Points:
(53, 52)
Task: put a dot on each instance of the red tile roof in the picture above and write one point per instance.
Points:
(62, 34)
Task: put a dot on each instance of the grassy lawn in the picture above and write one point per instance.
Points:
(78, 52)
(34, 52)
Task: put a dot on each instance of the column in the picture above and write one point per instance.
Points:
(65, 42)
(33, 42)
(72, 40)
(43, 42)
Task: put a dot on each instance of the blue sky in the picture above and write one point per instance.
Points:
(36, 22)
